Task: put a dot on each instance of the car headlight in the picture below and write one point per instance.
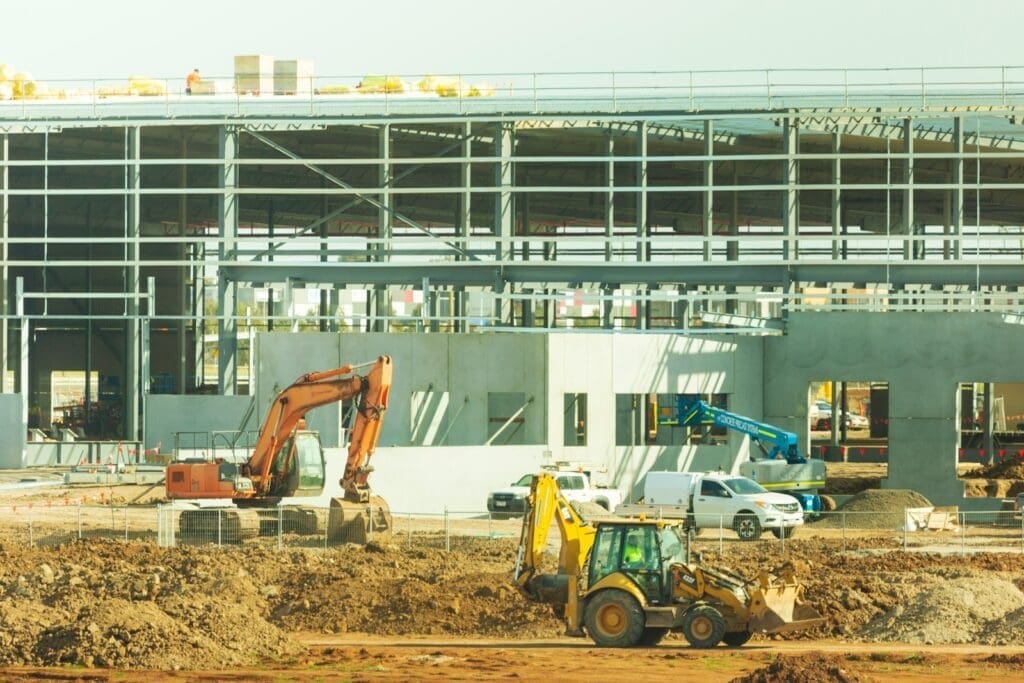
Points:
(764, 505)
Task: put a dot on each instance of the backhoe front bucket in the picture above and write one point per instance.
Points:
(351, 522)
(777, 608)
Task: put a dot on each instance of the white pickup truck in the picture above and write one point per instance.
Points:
(712, 500)
(575, 486)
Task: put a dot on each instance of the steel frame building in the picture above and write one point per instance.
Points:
(143, 234)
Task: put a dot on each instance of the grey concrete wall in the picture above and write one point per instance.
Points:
(12, 432)
(281, 358)
(923, 357)
(426, 480)
(603, 365)
(167, 413)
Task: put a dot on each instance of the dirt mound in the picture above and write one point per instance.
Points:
(119, 634)
(816, 668)
(1008, 468)
(105, 603)
(955, 611)
(875, 509)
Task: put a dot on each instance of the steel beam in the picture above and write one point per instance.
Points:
(477, 274)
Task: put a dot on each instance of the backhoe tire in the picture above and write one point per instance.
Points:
(736, 638)
(703, 626)
(784, 532)
(747, 526)
(614, 619)
(652, 635)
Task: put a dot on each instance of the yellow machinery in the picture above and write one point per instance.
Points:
(628, 582)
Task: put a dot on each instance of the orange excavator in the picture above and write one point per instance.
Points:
(287, 468)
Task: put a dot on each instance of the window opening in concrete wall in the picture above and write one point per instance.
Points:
(707, 434)
(506, 417)
(574, 419)
(860, 435)
(428, 414)
(651, 419)
(67, 399)
(991, 423)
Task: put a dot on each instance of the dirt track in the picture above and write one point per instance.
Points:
(368, 658)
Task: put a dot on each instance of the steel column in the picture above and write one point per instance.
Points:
(133, 340)
(958, 181)
(708, 200)
(504, 212)
(791, 198)
(909, 227)
(227, 308)
(5, 304)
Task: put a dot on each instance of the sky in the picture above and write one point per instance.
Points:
(87, 39)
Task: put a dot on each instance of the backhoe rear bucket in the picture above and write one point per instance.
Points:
(351, 522)
(778, 608)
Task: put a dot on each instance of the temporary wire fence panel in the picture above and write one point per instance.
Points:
(911, 530)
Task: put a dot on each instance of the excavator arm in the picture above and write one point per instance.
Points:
(310, 391)
(373, 402)
(545, 505)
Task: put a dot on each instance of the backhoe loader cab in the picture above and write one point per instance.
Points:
(627, 582)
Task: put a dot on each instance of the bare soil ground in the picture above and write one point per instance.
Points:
(368, 658)
(116, 610)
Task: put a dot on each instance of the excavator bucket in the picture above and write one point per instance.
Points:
(776, 607)
(351, 522)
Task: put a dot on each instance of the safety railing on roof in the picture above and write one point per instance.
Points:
(526, 92)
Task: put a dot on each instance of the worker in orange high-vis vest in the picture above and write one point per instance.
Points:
(191, 80)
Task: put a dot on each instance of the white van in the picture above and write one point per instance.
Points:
(711, 499)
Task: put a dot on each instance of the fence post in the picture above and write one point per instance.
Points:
(963, 535)
(125, 523)
(844, 530)
(369, 517)
(721, 540)
(905, 527)
(490, 525)
(79, 520)
(280, 526)
(447, 532)
(327, 527)
(218, 527)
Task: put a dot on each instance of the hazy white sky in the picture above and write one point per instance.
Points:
(65, 39)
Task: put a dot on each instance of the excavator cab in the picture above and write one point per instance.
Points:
(641, 552)
(299, 468)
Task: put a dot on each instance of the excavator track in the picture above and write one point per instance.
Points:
(351, 522)
(218, 525)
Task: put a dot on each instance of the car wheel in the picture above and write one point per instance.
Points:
(784, 532)
(747, 526)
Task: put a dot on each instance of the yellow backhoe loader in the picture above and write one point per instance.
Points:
(628, 582)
